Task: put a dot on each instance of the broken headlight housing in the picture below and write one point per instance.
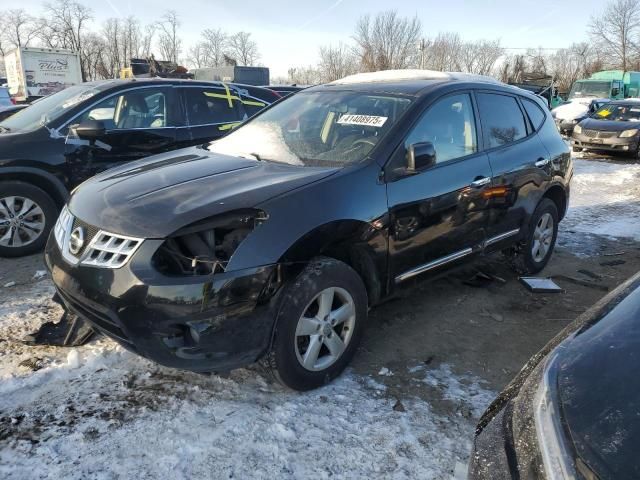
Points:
(205, 247)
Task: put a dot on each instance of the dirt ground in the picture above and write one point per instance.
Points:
(481, 333)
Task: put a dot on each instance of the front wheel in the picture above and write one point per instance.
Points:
(535, 252)
(27, 214)
(319, 325)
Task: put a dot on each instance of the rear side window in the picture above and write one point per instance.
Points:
(502, 119)
(206, 106)
(536, 115)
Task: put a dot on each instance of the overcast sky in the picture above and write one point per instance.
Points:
(289, 32)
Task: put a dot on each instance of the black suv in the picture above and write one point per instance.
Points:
(52, 146)
(276, 239)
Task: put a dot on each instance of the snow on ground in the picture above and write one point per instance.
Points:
(605, 201)
(101, 412)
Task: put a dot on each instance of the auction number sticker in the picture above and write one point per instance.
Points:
(365, 120)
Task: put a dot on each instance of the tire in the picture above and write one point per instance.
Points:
(41, 212)
(291, 359)
(526, 260)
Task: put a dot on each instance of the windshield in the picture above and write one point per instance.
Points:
(590, 89)
(47, 109)
(619, 113)
(316, 129)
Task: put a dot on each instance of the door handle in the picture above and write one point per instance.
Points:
(480, 182)
(542, 162)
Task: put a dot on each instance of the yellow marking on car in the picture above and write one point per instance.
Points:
(228, 126)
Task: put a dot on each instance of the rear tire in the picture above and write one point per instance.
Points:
(534, 254)
(319, 325)
(27, 214)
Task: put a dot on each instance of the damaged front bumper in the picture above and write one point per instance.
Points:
(198, 323)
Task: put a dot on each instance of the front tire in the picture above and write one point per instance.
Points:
(27, 215)
(535, 252)
(319, 325)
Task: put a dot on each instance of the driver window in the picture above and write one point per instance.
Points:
(145, 108)
(450, 126)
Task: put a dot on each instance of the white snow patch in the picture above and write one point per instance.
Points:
(605, 199)
(99, 412)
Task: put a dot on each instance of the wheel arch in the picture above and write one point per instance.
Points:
(558, 195)
(46, 181)
(354, 242)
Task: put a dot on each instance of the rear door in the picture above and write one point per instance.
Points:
(437, 216)
(519, 161)
(139, 122)
(211, 112)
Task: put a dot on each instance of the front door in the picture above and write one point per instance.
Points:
(138, 123)
(437, 216)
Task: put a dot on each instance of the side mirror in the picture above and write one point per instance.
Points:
(420, 156)
(91, 130)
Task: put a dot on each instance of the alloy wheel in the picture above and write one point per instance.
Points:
(542, 237)
(325, 329)
(22, 221)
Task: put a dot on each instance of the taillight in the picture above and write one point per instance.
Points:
(276, 94)
(13, 100)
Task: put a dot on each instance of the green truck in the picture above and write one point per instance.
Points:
(613, 84)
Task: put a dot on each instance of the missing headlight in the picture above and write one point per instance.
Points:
(205, 247)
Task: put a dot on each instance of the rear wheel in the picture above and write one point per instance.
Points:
(27, 214)
(534, 254)
(319, 326)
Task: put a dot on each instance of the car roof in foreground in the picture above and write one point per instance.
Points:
(409, 82)
(114, 83)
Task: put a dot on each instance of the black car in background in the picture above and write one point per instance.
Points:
(285, 90)
(573, 412)
(58, 142)
(614, 127)
(6, 112)
(274, 241)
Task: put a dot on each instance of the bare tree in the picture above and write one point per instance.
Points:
(169, 43)
(387, 42)
(18, 28)
(336, 62)
(64, 25)
(304, 75)
(615, 32)
(197, 55)
(480, 57)
(243, 49)
(444, 53)
(214, 44)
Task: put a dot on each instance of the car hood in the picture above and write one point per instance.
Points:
(572, 110)
(155, 197)
(599, 389)
(608, 125)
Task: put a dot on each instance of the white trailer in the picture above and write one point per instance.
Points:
(36, 72)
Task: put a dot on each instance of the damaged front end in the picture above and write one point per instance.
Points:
(175, 301)
(205, 247)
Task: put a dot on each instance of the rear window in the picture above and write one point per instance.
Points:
(502, 119)
(536, 115)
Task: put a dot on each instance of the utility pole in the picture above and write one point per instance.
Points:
(423, 48)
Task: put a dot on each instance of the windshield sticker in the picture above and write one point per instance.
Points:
(604, 113)
(364, 120)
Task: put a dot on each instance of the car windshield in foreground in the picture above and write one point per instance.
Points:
(316, 129)
(619, 113)
(48, 109)
(590, 89)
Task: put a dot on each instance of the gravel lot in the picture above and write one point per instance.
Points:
(432, 360)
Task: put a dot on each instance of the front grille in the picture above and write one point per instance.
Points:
(110, 250)
(100, 319)
(598, 134)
